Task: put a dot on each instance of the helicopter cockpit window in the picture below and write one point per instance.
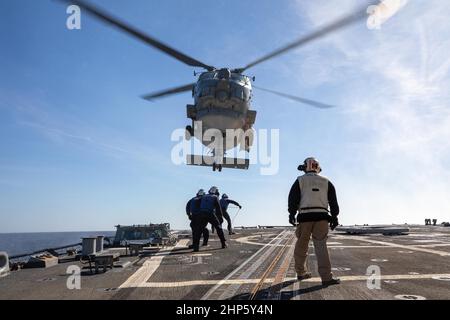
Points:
(238, 93)
(238, 77)
(207, 91)
(241, 93)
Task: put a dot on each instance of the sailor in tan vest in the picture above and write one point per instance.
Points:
(313, 197)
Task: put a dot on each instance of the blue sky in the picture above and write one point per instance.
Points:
(79, 150)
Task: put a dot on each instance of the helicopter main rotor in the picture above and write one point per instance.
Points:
(125, 27)
(337, 25)
(160, 94)
(324, 31)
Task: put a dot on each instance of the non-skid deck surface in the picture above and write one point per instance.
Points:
(259, 264)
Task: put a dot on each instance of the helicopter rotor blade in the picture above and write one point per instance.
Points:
(123, 26)
(159, 94)
(309, 102)
(324, 31)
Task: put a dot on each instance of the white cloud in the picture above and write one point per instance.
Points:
(400, 98)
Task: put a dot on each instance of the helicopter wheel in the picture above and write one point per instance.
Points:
(220, 168)
(214, 167)
(188, 133)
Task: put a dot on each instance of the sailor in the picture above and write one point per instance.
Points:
(224, 203)
(311, 195)
(210, 212)
(219, 217)
(193, 208)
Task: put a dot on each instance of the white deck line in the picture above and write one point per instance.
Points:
(395, 245)
(231, 291)
(223, 281)
(296, 284)
(149, 267)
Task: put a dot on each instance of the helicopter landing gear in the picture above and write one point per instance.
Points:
(217, 167)
(188, 133)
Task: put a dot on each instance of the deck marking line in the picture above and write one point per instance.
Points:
(408, 247)
(231, 291)
(232, 273)
(282, 271)
(271, 266)
(149, 267)
(270, 280)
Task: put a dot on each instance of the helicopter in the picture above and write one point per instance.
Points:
(222, 96)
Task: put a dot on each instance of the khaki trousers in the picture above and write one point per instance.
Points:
(319, 232)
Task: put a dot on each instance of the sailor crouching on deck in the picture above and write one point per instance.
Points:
(209, 212)
(193, 208)
(310, 195)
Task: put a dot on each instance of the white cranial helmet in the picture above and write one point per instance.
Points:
(312, 165)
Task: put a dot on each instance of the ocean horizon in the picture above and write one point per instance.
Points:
(17, 243)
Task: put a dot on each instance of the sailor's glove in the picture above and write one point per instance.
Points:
(334, 222)
(292, 219)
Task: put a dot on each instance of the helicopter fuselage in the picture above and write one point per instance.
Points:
(222, 101)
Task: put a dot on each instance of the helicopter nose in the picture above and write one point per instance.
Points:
(222, 95)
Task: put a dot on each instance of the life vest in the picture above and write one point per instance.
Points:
(314, 193)
(208, 203)
(224, 204)
(195, 205)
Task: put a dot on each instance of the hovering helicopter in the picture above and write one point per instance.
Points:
(222, 96)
